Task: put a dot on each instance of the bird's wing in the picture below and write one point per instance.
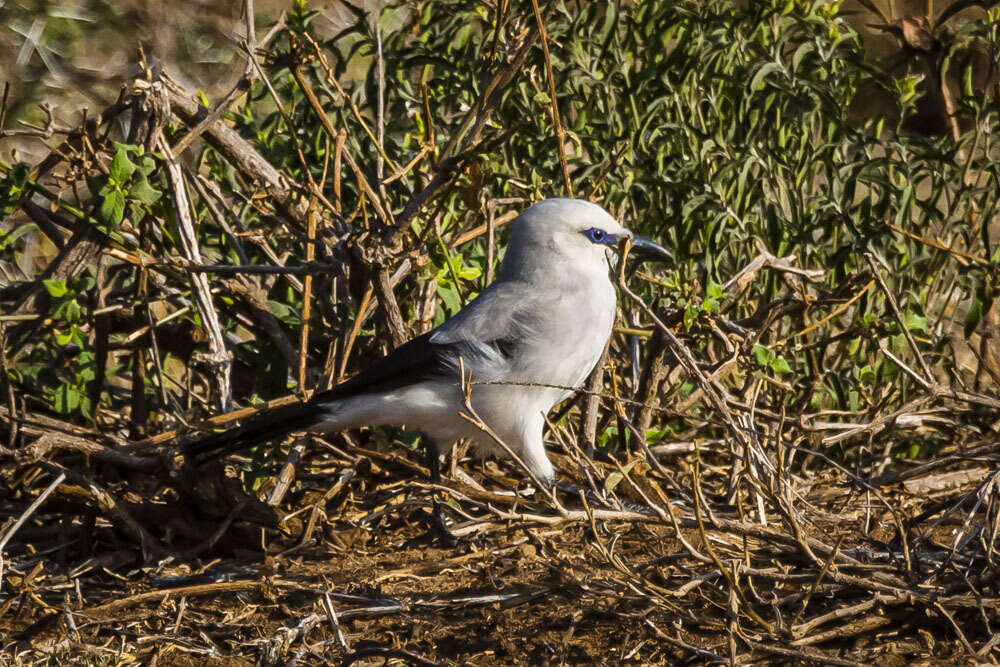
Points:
(503, 311)
(484, 335)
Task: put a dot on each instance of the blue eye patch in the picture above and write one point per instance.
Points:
(597, 235)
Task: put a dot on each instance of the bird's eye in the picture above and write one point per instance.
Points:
(596, 235)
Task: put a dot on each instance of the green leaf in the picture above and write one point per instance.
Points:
(12, 187)
(757, 83)
(541, 97)
(121, 166)
(904, 205)
(469, 272)
(147, 165)
(72, 312)
(654, 435)
(283, 312)
(143, 191)
(96, 183)
(907, 88)
(804, 49)
(55, 288)
(129, 148)
(613, 479)
(780, 366)
(449, 294)
(690, 315)
(81, 283)
(952, 8)
(763, 355)
(10, 237)
(19, 174)
(66, 399)
(113, 207)
(136, 211)
(973, 316)
(916, 322)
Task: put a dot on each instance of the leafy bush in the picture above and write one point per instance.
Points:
(730, 134)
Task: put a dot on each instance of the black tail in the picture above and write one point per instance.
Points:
(408, 364)
(268, 426)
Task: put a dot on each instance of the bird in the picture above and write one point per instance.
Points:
(523, 345)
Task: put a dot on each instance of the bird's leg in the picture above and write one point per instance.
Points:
(575, 491)
(432, 459)
(439, 526)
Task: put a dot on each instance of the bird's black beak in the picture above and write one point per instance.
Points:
(644, 248)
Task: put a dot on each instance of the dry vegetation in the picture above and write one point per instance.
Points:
(791, 448)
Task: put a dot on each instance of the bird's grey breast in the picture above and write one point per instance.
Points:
(574, 324)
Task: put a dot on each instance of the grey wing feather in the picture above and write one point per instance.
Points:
(484, 335)
(502, 311)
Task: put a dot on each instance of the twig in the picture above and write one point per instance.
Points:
(287, 474)
(307, 298)
(183, 591)
(12, 417)
(899, 318)
(238, 152)
(685, 357)
(467, 135)
(331, 616)
(219, 359)
(380, 104)
(110, 505)
(241, 86)
(390, 307)
(553, 99)
(324, 120)
(332, 80)
(26, 514)
(473, 417)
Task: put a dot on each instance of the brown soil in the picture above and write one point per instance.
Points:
(530, 589)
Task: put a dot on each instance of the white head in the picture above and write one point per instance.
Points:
(565, 234)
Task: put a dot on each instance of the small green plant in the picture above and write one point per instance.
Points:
(12, 188)
(78, 367)
(767, 359)
(125, 188)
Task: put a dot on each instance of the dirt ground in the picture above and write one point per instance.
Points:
(353, 572)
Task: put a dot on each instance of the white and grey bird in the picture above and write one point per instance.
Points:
(539, 328)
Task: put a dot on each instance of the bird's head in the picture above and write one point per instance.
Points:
(571, 230)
